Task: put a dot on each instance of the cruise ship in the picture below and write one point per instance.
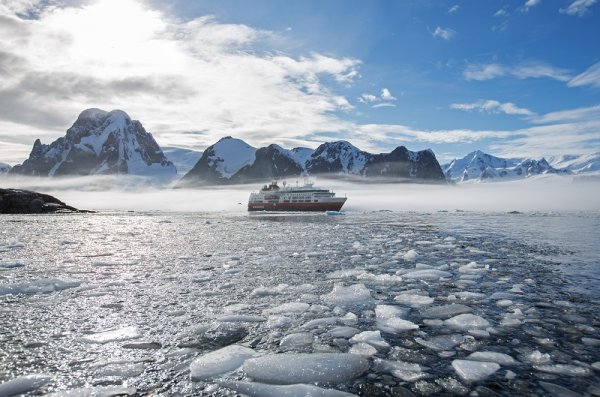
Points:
(298, 198)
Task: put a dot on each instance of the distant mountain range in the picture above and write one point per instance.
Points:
(101, 142)
(480, 166)
(232, 161)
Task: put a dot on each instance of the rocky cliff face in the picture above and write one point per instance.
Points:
(233, 161)
(99, 142)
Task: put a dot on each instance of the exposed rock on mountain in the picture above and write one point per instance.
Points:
(99, 142)
(233, 161)
(4, 168)
(481, 166)
(13, 201)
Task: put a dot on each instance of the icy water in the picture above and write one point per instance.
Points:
(374, 304)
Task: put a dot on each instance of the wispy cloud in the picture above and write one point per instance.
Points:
(493, 106)
(453, 9)
(530, 4)
(578, 8)
(502, 12)
(384, 105)
(571, 115)
(532, 69)
(386, 95)
(589, 77)
(443, 33)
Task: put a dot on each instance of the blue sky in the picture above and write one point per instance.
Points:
(513, 78)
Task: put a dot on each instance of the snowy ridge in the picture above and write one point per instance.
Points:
(183, 159)
(480, 166)
(99, 142)
(231, 160)
(583, 163)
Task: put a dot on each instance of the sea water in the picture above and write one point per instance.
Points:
(378, 304)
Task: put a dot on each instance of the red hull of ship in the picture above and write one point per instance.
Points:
(336, 206)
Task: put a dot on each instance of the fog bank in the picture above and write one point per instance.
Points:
(545, 193)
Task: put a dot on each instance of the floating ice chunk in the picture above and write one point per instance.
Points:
(23, 384)
(220, 361)
(267, 291)
(467, 321)
(14, 243)
(473, 371)
(114, 263)
(37, 287)
(441, 342)
(410, 256)
(428, 274)
(278, 322)
(288, 308)
(263, 390)
(349, 319)
(291, 368)
(241, 318)
(373, 338)
(381, 279)
(363, 349)
(469, 296)
(558, 391)
(98, 391)
(116, 335)
(494, 357)
(471, 268)
(479, 333)
(537, 357)
(343, 332)
(408, 372)
(11, 264)
(386, 311)
(297, 340)
(413, 300)
(590, 341)
(445, 311)
(121, 370)
(564, 369)
(502, 295)
(504, 303)
(355, 295)
(395, 325)
(320, 322)
(596, 365)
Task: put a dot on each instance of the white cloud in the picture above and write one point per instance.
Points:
(530, 4)
(366, 98)
(492, 106)
(386, 95)
(453, 9)
(443, 33)
(523, 70)
(578, 8)
(589, 77)
(199, 75)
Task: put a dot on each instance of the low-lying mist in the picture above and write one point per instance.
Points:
(544, 193)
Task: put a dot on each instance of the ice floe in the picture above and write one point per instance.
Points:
(356, 295)
(288, 368)
(467, 321)
(446, 311)
(23, 384)
(474, 371)
(220, 361)
(42, 286)
(373, 338)
(97, 391)
(494, 357)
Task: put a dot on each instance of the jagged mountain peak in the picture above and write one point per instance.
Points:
(99, 142)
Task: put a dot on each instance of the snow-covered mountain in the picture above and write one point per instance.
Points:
(99, 142)
(183, 159)
(232, 160)
(480, 166)
(4, 168)
(577, 164)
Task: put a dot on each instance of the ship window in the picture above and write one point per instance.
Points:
(315, 201)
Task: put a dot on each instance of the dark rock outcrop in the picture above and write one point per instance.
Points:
(271, 162)
(14, 201)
